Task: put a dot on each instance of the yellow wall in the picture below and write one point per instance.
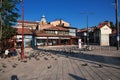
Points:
(57, 22)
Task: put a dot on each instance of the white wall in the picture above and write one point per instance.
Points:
(72, 32)
(104, 35)
(105, 30)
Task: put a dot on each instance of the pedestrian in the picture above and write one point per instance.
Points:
(14, 52)
(6, 53)
(10, 52)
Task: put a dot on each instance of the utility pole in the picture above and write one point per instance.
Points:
(87, 22)
(22, 46)
(117, 24)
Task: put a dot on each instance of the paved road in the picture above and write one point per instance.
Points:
(61, 63)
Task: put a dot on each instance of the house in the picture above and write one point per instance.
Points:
(104, 33)
(96, 35)
(55, 35)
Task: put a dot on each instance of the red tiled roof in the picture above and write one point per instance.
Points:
(39, 31)
(69, 27)
(103, 24)
(83, 30)
(57, 28)
(98, 27)
(20, 21)
(26, 31)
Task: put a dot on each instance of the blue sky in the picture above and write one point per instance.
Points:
(70, 11)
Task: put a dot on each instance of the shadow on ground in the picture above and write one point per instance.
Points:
(76, 77)
(14, 77)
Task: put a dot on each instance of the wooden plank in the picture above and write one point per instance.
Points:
(70, 69)
(84, 71)
(113, 71)
(92, 73)
(45, 72)
(97, 71)
(88, 68)
(54, 71)
(108, 74)
(65, 70)
(104, 71)
(60, 69)
(76, 70)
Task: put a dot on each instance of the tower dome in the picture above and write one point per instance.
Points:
(43, 19)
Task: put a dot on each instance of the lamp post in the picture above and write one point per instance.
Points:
(117, 24)
(85, 34)
(22, 46)
(87, 13)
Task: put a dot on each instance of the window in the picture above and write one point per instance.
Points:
(50, 32)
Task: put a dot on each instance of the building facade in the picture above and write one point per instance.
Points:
(105, 31)
(60, 23)
(41, 33)
(27, 37)
(97, 34)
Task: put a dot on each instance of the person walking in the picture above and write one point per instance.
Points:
(6, 53)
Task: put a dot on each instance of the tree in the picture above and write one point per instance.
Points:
(9, 15)
(112, 25)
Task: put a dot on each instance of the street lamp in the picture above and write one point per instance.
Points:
(117, 24)
(85, 34)
(87, 13)
(22, 46)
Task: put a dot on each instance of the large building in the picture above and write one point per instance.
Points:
(42, 33)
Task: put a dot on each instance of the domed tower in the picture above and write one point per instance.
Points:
(43, 19)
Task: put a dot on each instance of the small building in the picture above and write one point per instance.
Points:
(27, 37)
(96, 35)
(104, 33)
